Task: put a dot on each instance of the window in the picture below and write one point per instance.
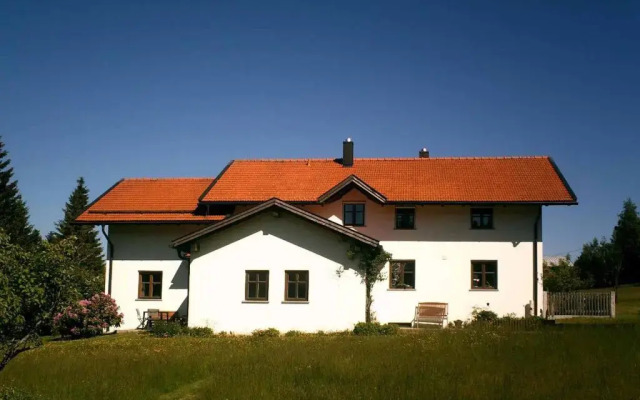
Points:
(149, 285)
(403, 274)
(405, 218)
(484, 275)
(354, 214)
(257, 285)
(296, 285)
(481, 218)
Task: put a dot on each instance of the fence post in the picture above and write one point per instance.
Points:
(545, 304)
(613, 304)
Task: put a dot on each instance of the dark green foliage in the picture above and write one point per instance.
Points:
(293, 333)
(35, 284)
(562, 277)
(177, 328)
(479, 315)
(375, 329)
(626, 242)
(371, 261)
(609, 263)
(596, 263)
(167, 328)
(270, 332)
(89, 249)
(14, 214)
(458, 323)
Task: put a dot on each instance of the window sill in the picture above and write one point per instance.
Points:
(148, 299)
(255, 302)
(401, 290)
(295, 302)
(483, 290)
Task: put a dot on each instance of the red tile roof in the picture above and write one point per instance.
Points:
(150, 200)
(437, 180)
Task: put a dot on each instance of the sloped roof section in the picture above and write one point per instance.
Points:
(350, 182)
(276, 203)
(140, 200)
(535, 180)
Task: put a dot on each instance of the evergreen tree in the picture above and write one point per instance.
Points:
(14, 214)
(626, 241)
(89, 249)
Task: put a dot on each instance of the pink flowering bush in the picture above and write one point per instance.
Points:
(88, 317)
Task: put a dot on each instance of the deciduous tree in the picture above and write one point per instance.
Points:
(371, 262)
(35, 284)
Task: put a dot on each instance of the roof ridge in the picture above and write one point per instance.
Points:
(391, 158)
(169, 178)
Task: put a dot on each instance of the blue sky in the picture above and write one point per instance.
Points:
(107, 90)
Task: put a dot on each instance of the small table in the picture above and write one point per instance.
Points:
(157, 316)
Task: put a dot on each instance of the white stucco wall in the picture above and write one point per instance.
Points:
(146, 248)
(276, 244)
(443, 246)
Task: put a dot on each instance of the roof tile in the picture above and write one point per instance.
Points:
(491, 179)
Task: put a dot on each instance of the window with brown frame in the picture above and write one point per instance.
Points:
(353, 214)
(484, 275)
(149, 285)
(482, 218)
(256, 285)
(296, 285)
(402, 274)
(405, 218)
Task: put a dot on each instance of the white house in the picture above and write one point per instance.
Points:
(265, 243)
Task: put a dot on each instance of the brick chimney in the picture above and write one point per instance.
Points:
(347, 153)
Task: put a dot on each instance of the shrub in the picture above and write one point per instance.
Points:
(374, 328)
(11, 393)
(89, 317)
(271, 332)
(484, 316)
(293, 333)
(199, 331)
(167, 328)
(458, 323)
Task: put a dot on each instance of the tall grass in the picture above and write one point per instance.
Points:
(558, 363)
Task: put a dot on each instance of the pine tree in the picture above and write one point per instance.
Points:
(89, 249)
(626, 240)
(14, 214)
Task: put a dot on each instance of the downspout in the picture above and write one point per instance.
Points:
(535, 261)
(110, 258)
(186, 256)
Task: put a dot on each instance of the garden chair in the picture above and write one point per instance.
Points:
(142, 321)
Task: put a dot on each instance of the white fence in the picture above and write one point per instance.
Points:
(579, 304)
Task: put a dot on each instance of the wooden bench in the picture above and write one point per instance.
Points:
(431, 313)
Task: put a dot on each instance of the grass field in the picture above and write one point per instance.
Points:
(566, 362)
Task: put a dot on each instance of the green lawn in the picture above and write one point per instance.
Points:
(567, 362)
(628, 305)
